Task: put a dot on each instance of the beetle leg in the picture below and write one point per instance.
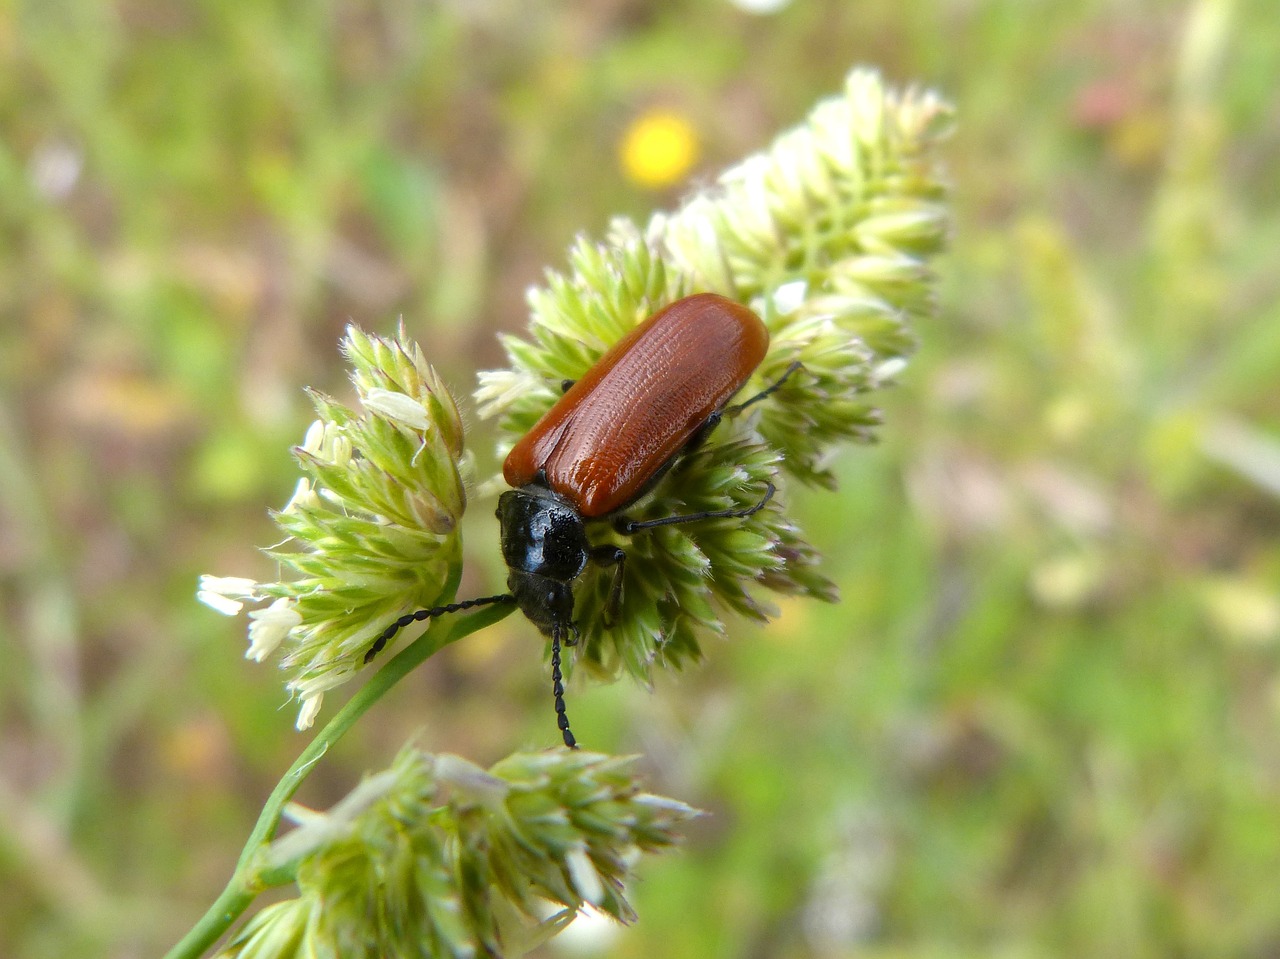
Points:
(611, 556)
(711, 422)
(701, 433)
(422, 614)
(767, 391)
(557, 688)
(626, 526)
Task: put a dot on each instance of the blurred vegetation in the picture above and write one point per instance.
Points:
(1043, 720)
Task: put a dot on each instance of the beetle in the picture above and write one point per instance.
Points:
(604, 444)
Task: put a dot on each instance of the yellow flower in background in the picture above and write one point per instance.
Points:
(658, 149)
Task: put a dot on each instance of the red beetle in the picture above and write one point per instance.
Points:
(603, 445)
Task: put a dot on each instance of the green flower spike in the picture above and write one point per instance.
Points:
(828, 237)
(437, 857)
(373, 529)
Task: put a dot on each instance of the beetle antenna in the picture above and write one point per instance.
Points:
(557, 688)
(767, 391)
(422, 614)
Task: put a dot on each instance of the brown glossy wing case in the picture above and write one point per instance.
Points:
(615, 428)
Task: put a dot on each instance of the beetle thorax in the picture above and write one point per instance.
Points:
(544, 544)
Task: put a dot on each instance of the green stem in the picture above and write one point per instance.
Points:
(246, 882)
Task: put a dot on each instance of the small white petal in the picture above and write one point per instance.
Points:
(339, 449)
(310, 709)
(890, 368)
(220, 603)
(789, 296)
(303, 496)
(583, 875)
(317, 684)
(314, 438)
(397, 407)
(239, 586)
(269, 628)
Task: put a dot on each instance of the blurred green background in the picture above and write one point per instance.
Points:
(1044, 719)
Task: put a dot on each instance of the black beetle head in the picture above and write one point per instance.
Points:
(546, 602)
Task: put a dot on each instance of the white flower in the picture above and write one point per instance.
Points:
(220, 603)
(326, 441)
(304, 497)
(226, 594)
(240, 586)
(338, 446)
(314, 439)
(789, 297)
(398, 408)
(309, 711)
(269, 628)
